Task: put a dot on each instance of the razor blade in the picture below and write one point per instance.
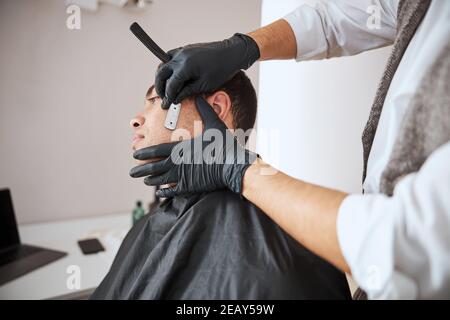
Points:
(174, 110)
(172, 116)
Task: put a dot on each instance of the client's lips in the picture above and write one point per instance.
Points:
(136, 138)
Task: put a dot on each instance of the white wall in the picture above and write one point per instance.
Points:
(319, 109)
(66, 97)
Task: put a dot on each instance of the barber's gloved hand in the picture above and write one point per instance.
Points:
(213, 160)
(203, 67)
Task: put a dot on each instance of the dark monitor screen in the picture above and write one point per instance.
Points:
(9, 235)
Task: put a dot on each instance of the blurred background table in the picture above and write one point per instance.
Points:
(51, 280)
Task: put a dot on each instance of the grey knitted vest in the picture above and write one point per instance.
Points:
(426, 124)
(417, 137)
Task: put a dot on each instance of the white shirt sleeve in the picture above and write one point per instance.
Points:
(335, 28)
(399, 247)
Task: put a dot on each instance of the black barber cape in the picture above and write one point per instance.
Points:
(216, 246)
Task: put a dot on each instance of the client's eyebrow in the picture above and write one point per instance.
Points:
(151, 90)
(151, 94)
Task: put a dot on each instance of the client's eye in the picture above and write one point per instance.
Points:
(153, 99)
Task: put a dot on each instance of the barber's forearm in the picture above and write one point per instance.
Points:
(275, 41)
(305, 211)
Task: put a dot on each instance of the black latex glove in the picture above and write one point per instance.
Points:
(203, 67)
(192, 165)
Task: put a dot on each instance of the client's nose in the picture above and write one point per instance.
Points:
(137, 121)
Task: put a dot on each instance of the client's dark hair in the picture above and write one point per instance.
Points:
(243, 100)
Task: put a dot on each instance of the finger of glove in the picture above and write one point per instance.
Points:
(160, 179)
(162, 75)
(187, 91)
(173, 85)
(150, 169)
(159, 151)
(172, 52)
(208, 115)
(167, 192)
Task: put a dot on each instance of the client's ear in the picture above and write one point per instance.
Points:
(221, 103)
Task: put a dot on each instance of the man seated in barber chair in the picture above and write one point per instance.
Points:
(213, 245)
